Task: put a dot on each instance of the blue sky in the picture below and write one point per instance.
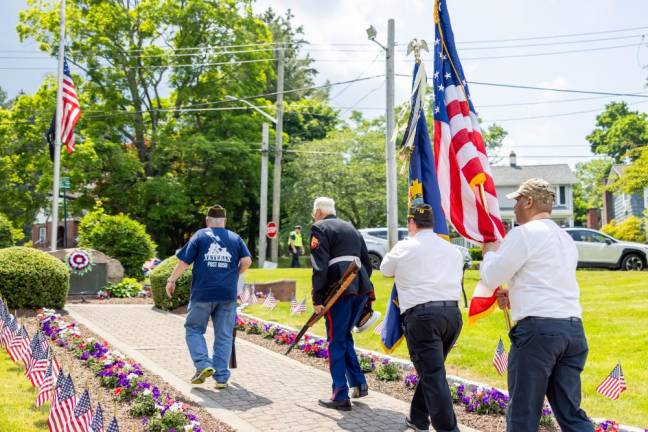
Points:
(537, 140)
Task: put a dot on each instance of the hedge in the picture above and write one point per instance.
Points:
(30, 278)
(158, 278)
(119, 237)
(631, 229)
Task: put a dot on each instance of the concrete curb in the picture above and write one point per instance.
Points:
(407, 365)
(190, 392)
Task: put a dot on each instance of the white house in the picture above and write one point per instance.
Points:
(507, 179)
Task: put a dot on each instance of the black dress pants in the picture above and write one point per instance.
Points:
(547, 358)
(431, 332)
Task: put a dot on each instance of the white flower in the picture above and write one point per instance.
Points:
(131, 376)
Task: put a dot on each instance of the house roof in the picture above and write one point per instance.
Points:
(513, 176)
(615, 172)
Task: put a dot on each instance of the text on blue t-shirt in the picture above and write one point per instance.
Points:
(215, 254)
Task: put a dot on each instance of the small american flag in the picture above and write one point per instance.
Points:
(62, 410)
(38, 365)
(19, 347)
(253, 298)
(113, 426)
(379, 327)
(270, 301)
(299, 308)
(97, 424)
(10, 329)
(500, 360)
(71, 109)
(293, 304)
(82, 415)
(47, 386)
(614, 384)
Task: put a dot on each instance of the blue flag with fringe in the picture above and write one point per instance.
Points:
(423, 188)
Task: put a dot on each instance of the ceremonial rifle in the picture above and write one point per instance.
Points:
(335, 292)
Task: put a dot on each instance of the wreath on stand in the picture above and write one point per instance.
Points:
(79, 261)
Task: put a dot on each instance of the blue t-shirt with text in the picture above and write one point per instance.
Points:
(215, 255)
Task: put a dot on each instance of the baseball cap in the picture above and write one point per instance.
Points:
(536, 188)
(421, 213)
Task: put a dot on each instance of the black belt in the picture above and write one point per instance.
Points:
(432, 304)
(570, 319)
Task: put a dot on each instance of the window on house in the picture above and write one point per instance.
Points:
(561, 195)
(42, 235)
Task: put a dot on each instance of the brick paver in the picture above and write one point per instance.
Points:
(268, 391)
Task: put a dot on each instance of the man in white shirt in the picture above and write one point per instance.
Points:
(548, 347)
(428, 271)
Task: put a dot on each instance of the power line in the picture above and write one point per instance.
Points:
(554, 115)
(639, 95)
(553, 36)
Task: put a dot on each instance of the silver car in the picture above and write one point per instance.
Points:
(376, 240)
(596, 249)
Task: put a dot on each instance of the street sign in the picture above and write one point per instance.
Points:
(65, 183)
(271, 230)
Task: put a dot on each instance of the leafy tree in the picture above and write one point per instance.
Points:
(619, 132)
(635, 176)
(588, 192)
(494, 136)
(4, 101)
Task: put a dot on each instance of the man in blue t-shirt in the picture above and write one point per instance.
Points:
(218, 256)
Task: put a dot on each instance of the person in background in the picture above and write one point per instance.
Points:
(218, 256)
(295, 246)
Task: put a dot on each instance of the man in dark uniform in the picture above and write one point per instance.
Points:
(334, 245)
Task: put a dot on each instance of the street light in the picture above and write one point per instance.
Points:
(254, 107)
(263, 211)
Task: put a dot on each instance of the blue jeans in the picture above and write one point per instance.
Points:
(223, 315)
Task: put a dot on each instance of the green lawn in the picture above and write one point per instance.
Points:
(616, 320)
(17, 397)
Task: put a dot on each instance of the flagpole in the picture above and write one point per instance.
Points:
(58, 132)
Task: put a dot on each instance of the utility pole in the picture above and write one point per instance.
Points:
(263, 215)
(58, 131)
(390, 140)
(276, 184)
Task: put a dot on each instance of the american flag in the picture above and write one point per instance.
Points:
(62, 409)
(82, 415)
(47, 386)
(245, 298)
(460, 155)
(379, 327)
(113, 426)
(466, 184)
(71, 109)
(97, 424)
(500, 360)
(613, 385)
(270, 301)
(10, 328)
(299, 308)
(38, 365)
(293, 304)
(252, 298)
(19, 346)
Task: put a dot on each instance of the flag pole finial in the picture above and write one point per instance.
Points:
(416, 46)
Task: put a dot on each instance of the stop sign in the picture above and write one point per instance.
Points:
(271, 230)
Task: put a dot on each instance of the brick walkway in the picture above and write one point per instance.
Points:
(268, 391)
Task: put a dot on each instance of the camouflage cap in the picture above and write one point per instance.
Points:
(538, 189)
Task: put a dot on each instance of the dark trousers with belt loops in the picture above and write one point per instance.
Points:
(343, 361)
(547, 357)
(431, 330)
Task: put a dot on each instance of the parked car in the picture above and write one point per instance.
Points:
(376, 240)
(596, 249)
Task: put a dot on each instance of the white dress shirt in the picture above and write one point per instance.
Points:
(538, 261)
(426, 268)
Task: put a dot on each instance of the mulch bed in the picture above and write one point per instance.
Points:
(84, 378)
(396, 389)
